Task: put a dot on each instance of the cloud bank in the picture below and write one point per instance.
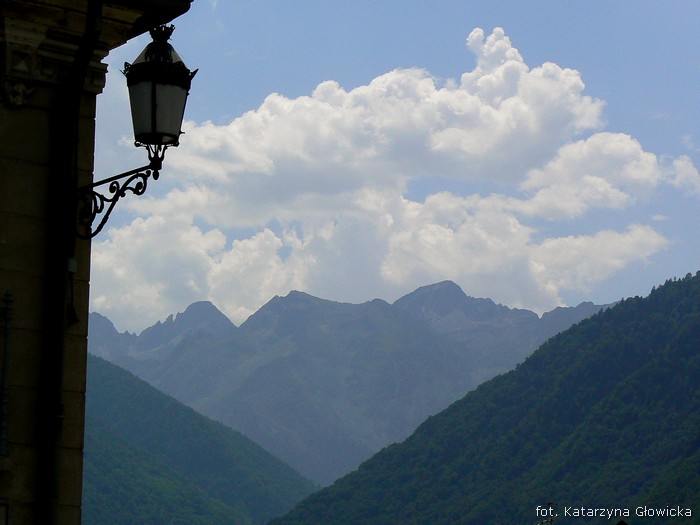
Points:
(343, 194)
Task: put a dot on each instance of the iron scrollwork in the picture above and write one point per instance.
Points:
(93, 205)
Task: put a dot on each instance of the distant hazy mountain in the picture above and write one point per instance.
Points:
(603, 416)
(499, 337)
(149, 459)
(337, 382)
(324, 385)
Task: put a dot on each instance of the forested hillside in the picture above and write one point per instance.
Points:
(149, 459)
(125, 485)
(604, 415)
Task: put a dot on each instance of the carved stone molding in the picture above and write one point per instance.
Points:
(17, 94)
(39, 39)
(34, 53)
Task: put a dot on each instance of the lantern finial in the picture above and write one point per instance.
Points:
(162, 33)
(159, 50)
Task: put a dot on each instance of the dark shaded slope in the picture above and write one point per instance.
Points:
(210, 456)
(123, 485)
(606, 414)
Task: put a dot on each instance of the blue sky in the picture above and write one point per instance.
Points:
(361, 149)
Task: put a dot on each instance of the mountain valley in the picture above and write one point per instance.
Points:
(324, 385)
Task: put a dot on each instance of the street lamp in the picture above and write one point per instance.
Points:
(158, 82)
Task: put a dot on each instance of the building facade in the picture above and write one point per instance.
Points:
(51, 72)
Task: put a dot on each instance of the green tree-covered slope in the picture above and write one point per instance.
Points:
(124, 485)
(604, 415)
(137, 433)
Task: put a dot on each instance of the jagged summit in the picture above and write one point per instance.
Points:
(200, 308)
(296, 313)
(99, 322)
(201, 316)
(104, 338)
(439, 301)
(292, 299)
(204, 313)
(443, 287)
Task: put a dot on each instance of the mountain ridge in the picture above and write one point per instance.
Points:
(365, 375)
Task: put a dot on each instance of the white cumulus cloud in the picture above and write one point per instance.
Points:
(312, 193)
(607, 170)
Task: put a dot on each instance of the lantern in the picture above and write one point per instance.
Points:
(158, 82)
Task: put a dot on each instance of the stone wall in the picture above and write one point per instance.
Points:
(51, 72)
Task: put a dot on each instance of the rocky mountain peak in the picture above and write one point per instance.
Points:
(201, 316)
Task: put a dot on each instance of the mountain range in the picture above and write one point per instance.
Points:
(324, 385)
(600, 425)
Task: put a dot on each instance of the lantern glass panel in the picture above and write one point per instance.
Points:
(140, 99)
(157, 111)
(170, 111)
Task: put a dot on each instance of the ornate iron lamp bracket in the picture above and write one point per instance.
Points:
(96, 206)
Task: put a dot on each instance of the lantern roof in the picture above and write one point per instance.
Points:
(159, 62)
(160, 50)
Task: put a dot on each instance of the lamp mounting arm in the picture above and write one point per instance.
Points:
(92, 205)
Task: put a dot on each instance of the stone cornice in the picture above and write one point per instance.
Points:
(39, 40)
